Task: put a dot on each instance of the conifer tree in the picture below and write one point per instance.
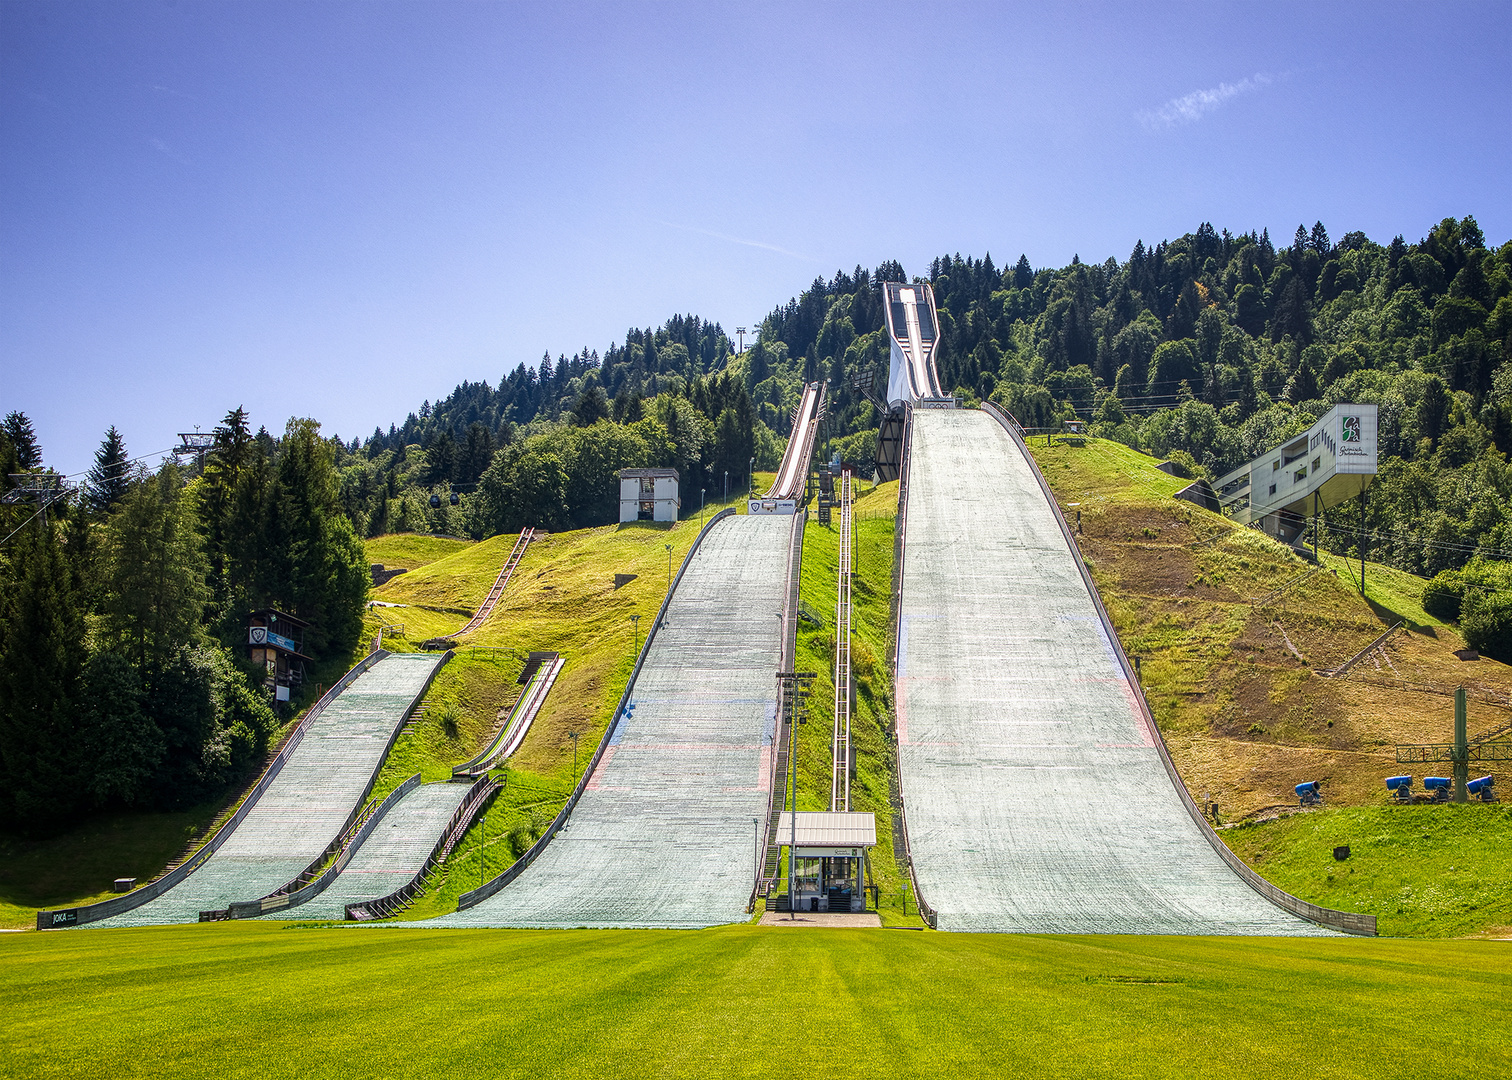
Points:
(109, 478)
(42, 652)
(23, 440)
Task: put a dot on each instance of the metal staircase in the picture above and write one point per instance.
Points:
(483, 612)
(840, 760)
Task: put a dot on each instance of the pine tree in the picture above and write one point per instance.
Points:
(109, 478)
(42, 653)
(23, 440)
(153, 574)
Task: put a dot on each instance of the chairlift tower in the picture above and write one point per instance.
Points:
(195, 444)
(1487, 746)
(37, 488)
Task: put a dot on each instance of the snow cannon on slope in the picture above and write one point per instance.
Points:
(1439, 787)
(1400, 788)
(1482, 789)
(1308, 794)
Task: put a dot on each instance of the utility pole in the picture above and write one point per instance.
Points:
(635, 622)
(482, 849)
(573, 735)
(703, 497)
(669, 572)
(727, 485)
(794, 694)
(1461, 749)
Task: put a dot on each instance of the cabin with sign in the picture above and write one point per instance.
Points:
(276, 641)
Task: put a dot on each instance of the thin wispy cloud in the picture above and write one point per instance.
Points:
(168, 152)
(738, 240)
(1189, 108)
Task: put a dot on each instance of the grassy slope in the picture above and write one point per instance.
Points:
(411, 550)
(248, 1000)
(1247, 717)
(871, 722)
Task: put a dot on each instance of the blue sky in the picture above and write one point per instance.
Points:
(339, 210)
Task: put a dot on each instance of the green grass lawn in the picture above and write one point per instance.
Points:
(411, 550)
(264, 1002)
(1422, 871)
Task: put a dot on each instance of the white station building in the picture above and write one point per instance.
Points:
(1333, 461)
(648, 495)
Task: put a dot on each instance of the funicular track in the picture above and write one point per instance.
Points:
(840, 752)
(1040, 797)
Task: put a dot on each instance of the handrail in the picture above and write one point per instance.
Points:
(900, 537)
(483, 789)
(64, 917)
(1343, 669)
(488, 888)
(1347, 921)
(281, 900)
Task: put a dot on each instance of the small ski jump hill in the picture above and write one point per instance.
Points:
(308, 802)
(1036, 798)
(663, 835)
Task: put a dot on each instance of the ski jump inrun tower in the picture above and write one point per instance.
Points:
(913, 328)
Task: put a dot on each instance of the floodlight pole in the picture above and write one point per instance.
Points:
(482, 849)
(727, 485)
(573, 735)
(669, 573)
(751, 476)
(635, 622)
(703, 497)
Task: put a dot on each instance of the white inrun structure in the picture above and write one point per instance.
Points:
(1331, 462)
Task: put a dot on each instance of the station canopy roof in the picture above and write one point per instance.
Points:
(828, 829)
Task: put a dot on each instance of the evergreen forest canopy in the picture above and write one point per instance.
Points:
(1207, 350)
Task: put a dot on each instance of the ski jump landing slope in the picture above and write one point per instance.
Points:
(308, 802)
(663, 835)
(391, 856)
(1036, 801)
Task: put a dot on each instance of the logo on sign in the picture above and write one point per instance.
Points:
(1351, 429)
(259, 635)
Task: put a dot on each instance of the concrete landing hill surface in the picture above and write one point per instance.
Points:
(304, 808)
(662, 837)
(1036, 801)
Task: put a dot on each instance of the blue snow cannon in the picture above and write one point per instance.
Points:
(1439, 787)
(1481, 788)
(1401, 787)
(1308, 794)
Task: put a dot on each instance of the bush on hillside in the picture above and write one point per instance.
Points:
(1443, 596)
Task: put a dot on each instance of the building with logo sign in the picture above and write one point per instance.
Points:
(648, 495)
(276, 641)
(1331, 462)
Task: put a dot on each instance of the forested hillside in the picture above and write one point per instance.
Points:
(123, 680)
(119, 611)
(1208, 348)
